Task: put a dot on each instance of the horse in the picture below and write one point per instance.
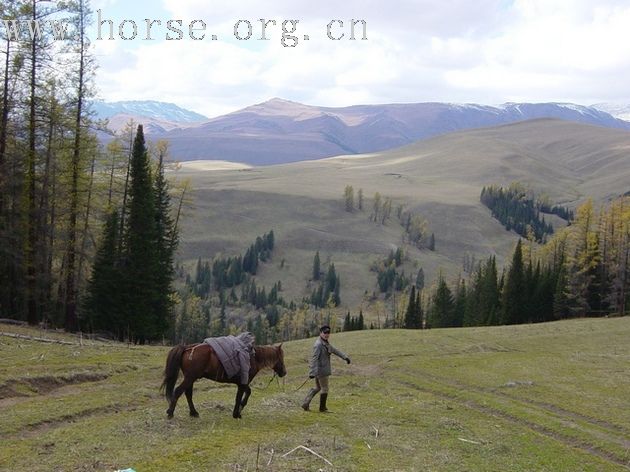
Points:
(200, 361)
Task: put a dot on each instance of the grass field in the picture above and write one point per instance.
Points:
(536, 397)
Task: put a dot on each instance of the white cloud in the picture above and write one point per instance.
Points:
(486, 51)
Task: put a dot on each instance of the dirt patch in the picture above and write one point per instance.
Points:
(47, 383)
(37, 429)
(481, 348)
(8, 392)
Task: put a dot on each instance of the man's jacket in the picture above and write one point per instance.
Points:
(320, 360)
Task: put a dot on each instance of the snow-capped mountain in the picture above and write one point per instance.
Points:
(279, 131)
(161, 111)
(618, 110)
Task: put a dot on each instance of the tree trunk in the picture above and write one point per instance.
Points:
(71, 318)
(126, 190)
(31, 225)
(44, 223)
(87, 220)
(4, 122)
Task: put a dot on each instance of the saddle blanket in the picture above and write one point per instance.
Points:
(234, 353)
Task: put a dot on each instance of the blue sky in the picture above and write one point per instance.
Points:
(487, 51)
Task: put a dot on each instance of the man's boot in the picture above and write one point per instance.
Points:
(322, 402)
(307, 401)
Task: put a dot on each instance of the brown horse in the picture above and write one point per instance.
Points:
(200, 360)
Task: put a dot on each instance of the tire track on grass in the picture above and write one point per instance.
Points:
(603, 429)
(569, 441)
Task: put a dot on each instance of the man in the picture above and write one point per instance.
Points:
(320, 368)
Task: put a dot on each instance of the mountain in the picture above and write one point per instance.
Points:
(617, 110)
(160, 111)
(439, 178)
(280, 131)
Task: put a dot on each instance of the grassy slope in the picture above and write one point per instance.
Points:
(537, 397)
(440, 178)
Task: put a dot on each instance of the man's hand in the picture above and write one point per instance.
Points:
(347, 360)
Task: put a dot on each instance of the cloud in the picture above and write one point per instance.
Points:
(488, 51)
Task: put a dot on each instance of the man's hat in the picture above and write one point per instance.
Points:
(324, 328)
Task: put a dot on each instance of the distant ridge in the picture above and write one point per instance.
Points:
(280, 131)
(147, 108)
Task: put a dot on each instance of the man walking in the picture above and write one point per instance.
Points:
(319, 368)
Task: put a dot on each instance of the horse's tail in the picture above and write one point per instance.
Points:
(171, 371)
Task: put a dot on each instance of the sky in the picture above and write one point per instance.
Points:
(460, 51)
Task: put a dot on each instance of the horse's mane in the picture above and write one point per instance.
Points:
(266, 356)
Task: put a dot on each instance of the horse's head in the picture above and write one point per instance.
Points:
(279, 367)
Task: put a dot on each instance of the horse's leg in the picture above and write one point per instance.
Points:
(237, 403)
(186, 383)
(248, 392)
(189, 393)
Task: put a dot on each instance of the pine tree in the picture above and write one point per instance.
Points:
(443, 307)
(166, 240)
(348, 196)
(420, 279)
(412, 320)
(143, 262)
(459, 309)
(376, 207)
(489, 295)
(419, 311)
(515, 290)
(316, 266)
(271, 241)
(103, 304)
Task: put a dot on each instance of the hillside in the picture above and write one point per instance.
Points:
(440, 179)
(520, 398)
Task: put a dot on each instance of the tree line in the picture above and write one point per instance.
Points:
(49, 165)
(354, 323)
(66, 203)
(521, 212)
(328, 290)
(228, 272)
(582, 271)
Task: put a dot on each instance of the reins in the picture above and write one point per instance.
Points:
(303, 383)
(267, 386)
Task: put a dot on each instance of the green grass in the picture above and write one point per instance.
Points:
(542, 397)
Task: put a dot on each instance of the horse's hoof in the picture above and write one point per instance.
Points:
(194, 414)
(169, 415)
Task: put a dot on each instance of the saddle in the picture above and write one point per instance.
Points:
(234, 353)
